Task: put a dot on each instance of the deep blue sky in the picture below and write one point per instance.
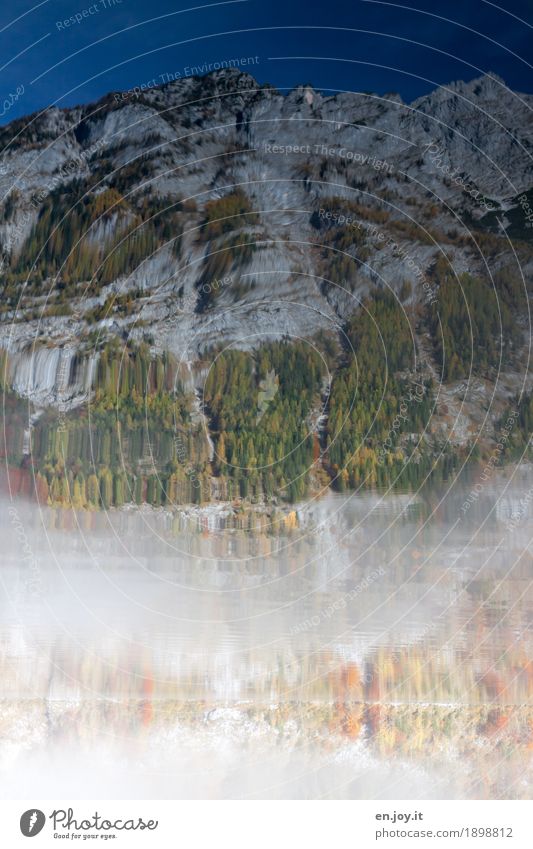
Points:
(105, 51)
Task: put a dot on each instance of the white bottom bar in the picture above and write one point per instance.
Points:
(269, 825)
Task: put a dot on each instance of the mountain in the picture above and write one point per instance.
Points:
(213, 287)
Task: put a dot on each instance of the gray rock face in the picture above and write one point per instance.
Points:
(425, 170)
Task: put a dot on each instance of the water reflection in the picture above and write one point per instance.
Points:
(374, 648)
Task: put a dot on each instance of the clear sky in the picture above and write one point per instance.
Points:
(360, 45)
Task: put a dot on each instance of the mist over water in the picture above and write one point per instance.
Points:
(380, 648)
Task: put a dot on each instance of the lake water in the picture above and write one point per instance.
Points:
(380, 647)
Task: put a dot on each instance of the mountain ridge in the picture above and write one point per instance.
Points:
(214, 211)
